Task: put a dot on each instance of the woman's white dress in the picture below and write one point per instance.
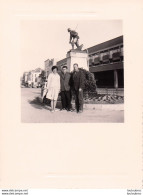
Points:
(53, 86)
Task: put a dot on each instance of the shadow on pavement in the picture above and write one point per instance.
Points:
(37, 103)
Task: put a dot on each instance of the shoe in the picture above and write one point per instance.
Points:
(80, 111)
(73, 110)
(62, 109)
(56, 110)
(69, 110)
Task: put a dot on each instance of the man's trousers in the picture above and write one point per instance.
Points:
(79, 100)
(66, 99)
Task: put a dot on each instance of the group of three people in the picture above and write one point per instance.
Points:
(66, 84)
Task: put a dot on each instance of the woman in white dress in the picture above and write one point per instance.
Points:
(53, 87)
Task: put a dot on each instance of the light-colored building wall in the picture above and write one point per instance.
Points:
(25, 77)
(48, 65)
(33, 77)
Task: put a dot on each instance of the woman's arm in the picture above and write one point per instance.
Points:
(48, 81)
(59, 84)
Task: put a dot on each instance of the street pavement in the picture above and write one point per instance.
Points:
(34, 111)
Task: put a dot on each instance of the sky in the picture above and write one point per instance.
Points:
(47, 39)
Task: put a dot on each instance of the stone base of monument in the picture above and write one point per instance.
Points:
(79, 57)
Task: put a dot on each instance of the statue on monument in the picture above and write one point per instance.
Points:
(74, 39)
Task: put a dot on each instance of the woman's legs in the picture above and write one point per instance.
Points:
(54, 104)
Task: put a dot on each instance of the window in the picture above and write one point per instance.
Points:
(106, 52)
(115, 50)
(91, 58)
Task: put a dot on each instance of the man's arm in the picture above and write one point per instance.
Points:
(71, 81)
(81, 84)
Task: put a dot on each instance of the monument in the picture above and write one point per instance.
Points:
(76, 55)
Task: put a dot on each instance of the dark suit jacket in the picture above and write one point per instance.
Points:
(65, 81)
(77, 80)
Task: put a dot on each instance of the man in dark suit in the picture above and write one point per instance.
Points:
(65, 89)
(78, 86)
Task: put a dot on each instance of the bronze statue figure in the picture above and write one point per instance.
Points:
(74, 39)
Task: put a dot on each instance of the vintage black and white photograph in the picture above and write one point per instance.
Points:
(71, 96)
(72, 71)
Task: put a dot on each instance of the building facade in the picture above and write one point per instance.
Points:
(32, 78)
(106, 61)
(25, 79)
(48, 65)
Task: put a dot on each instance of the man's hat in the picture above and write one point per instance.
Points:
(69, 29)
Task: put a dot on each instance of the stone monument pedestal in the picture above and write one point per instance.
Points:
(79, 57)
